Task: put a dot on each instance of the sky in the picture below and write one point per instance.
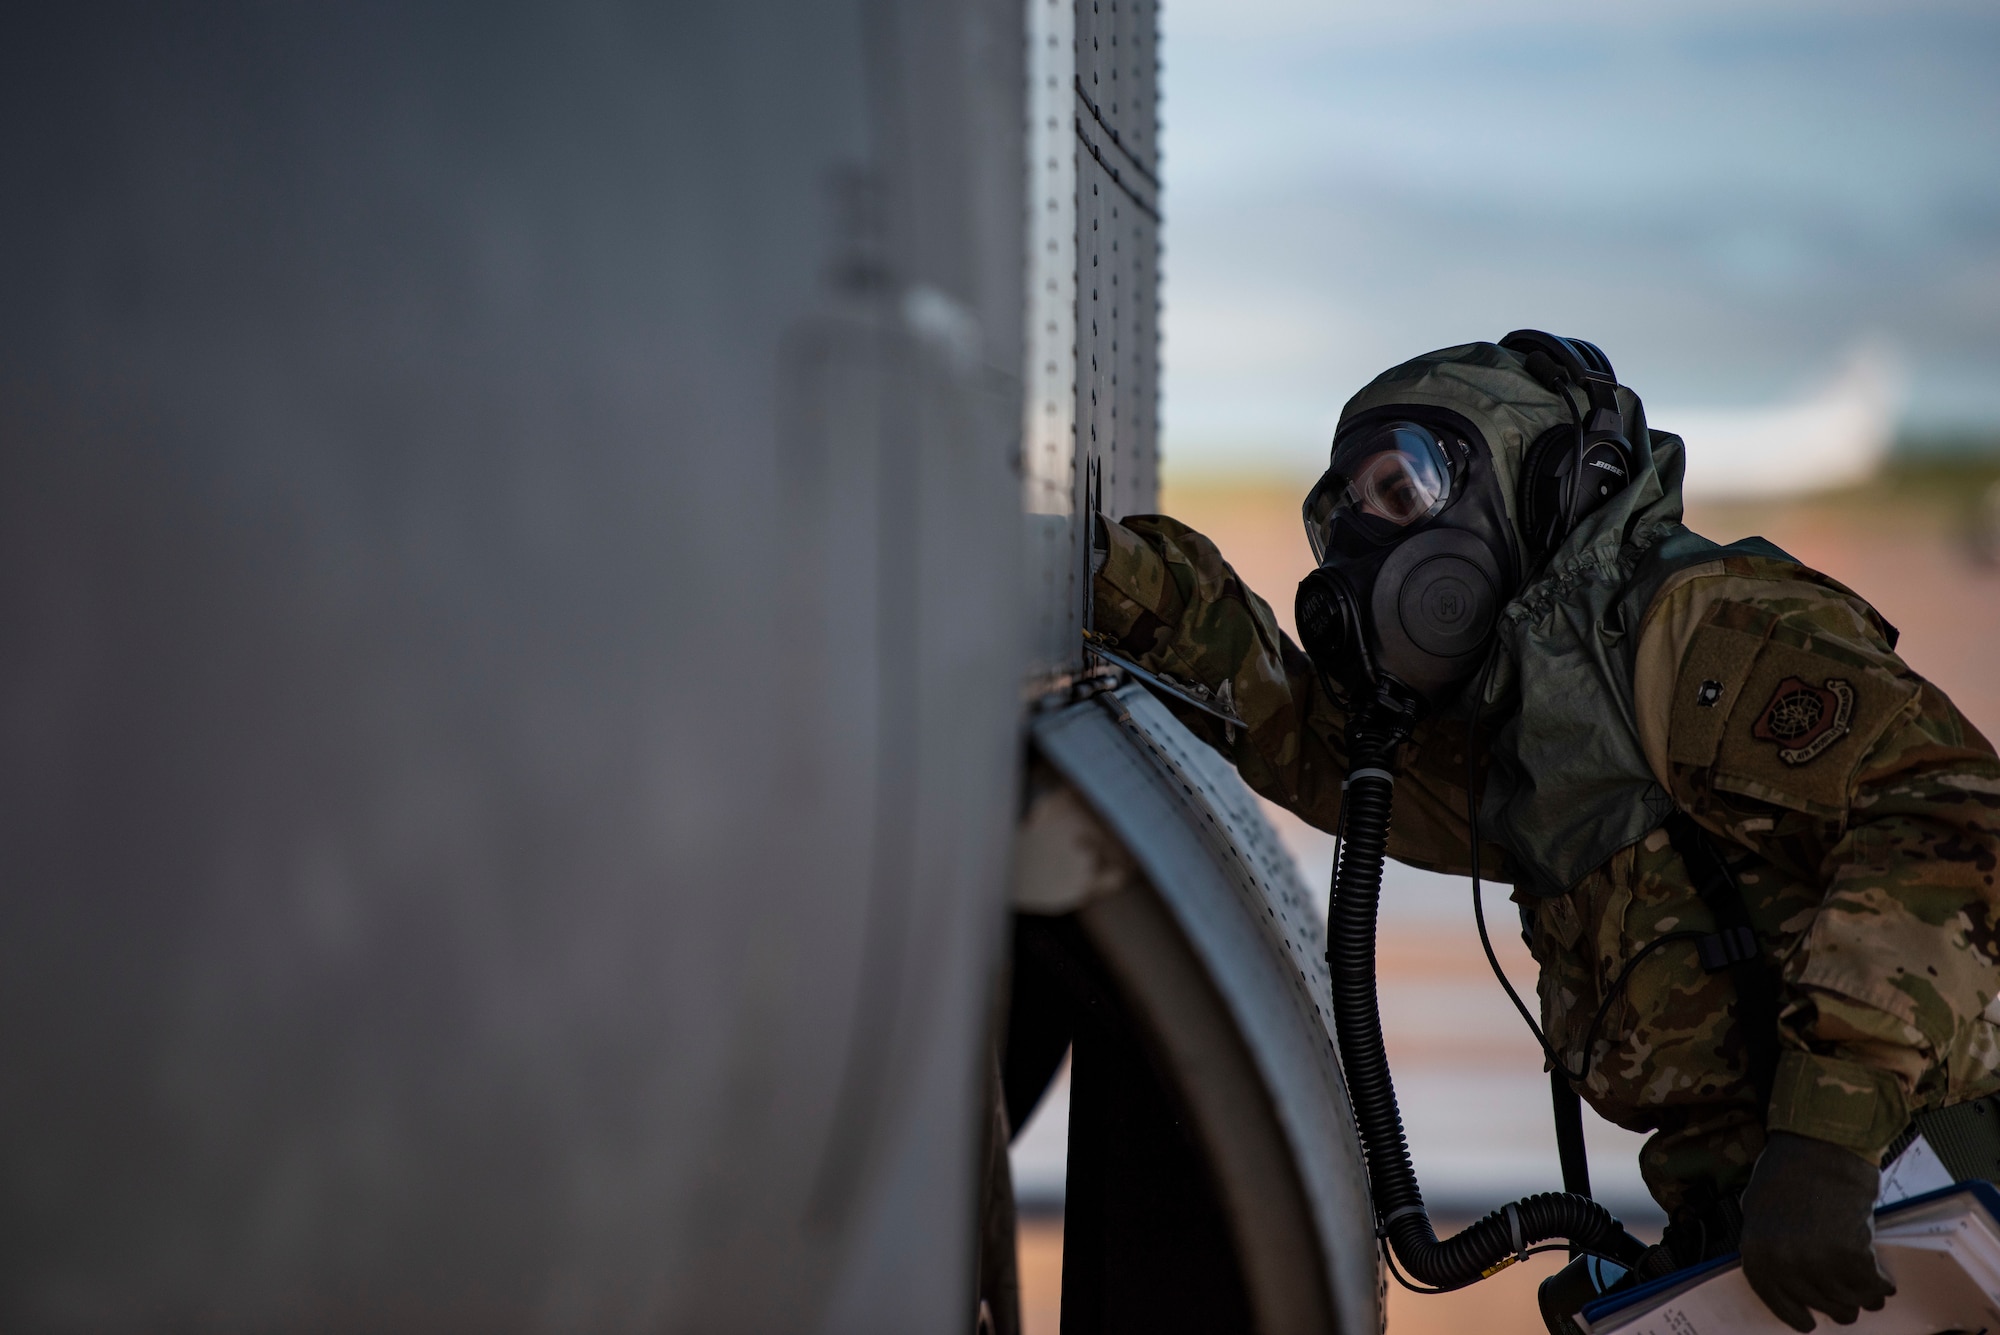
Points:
(1748, 205)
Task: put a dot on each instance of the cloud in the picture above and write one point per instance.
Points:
(1728, 198)
(1835, 435)
(1366, 21)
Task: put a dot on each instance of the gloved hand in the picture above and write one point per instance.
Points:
(1809, 1231)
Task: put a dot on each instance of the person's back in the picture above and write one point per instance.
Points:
(1500, 541)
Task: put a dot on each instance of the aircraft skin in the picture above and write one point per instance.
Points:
(1215, 1180)
(520, 700)
(511, 679)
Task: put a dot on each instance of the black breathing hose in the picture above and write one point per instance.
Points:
(1373, 736)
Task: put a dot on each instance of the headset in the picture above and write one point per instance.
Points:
(1570, 470)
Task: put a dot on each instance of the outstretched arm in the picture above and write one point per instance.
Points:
(1170, 602)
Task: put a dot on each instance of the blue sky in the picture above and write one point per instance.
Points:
(1735, 200)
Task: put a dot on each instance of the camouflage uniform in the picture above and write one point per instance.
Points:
(1860, 811)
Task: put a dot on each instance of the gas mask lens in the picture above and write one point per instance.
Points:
(1388, 479)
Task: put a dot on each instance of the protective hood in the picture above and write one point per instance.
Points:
(1567, 782)
(1490, 387)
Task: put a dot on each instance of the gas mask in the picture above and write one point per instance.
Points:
(1416, 555)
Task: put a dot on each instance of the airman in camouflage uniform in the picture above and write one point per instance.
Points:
(1858, 807)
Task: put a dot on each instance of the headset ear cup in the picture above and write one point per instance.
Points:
(1555, 494)
(1560, 484)
(1606, 469)
(1543, 483)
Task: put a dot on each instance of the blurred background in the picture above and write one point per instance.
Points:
(1756, 207)
(1780, 220)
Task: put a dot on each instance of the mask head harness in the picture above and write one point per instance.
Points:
(1416, 550)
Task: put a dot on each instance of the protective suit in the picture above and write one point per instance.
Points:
(1635, 670)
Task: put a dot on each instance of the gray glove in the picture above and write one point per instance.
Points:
(1809, 1231)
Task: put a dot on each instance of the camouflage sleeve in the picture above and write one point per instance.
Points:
(1171, 603)
(1796, 732)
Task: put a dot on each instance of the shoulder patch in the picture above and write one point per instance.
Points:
(1804, 720)
(1771, 710)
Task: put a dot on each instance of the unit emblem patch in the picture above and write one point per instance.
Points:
(1804, 719)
